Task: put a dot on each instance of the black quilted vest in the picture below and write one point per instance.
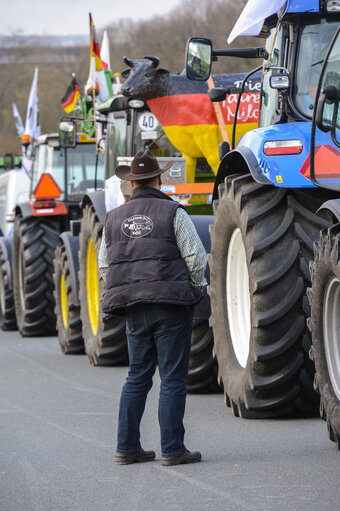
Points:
(144, 261)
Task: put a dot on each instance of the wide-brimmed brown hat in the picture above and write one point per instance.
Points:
(143, 166)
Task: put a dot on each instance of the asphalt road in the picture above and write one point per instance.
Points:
(58, 420)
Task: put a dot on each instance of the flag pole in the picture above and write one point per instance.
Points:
(94, 116)
(218, 112)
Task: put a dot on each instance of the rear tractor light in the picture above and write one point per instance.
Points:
(281, 147)
(39, 204)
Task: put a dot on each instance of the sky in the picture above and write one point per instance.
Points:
(69, 17)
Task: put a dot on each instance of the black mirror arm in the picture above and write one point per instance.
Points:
(239, 101)
(335, 140)
(248, 53)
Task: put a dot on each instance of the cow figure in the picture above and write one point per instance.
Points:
(185, 111)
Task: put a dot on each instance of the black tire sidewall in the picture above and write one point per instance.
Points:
(234, 376)
(326, 267)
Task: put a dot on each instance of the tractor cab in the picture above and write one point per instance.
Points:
(325, 140)
(296, 43)
(62, 173)
(132, 128)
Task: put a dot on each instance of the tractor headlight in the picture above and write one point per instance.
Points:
(136, 103)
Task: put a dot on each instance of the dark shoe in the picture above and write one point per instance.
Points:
(136, 457)
(181, 459)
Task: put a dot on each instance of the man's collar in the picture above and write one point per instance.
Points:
(148, 191)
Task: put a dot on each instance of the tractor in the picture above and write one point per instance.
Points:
(265, 220)
(59, 178)
(79, 286)
(324, 294)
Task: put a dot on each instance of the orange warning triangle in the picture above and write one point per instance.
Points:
(327, 163)
(47, 188)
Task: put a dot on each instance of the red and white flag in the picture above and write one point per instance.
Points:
(97, 78)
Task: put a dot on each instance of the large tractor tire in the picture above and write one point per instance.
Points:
(324, 323)
(261, 243)
(202, 376)
(104, 336)
(34, 243)
(7, 312)
(68, 313)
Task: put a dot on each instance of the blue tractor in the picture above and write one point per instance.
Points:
(324, 295)
(265, 220)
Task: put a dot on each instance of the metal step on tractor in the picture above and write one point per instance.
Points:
(59, 178)
(324, 294)
(265, 220)
(78, 285)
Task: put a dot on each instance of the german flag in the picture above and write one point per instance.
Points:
(70, 99)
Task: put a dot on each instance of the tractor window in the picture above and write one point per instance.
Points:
(48, 159)
(81, 166)
(115, 143)
(269, 95)
(35, 166)
(151, 135)
(314, 42)
(55, 166)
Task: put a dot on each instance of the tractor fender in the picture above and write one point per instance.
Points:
(23, 209)
(330, 209)
(6, 247)
(97, 199)
(239, 161)
(71, 244)
(201, 223)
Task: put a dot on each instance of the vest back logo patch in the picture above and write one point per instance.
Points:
(137, 226)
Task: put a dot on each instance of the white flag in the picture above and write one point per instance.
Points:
(32, 125)
(105, 51)
(18, 122)
(252, 17)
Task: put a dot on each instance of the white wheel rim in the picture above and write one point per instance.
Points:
(2, 295)
(331, 332)
(238, 297)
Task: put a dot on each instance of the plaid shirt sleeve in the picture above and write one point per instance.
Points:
(191, 248)
(102, 257)
(189, 244)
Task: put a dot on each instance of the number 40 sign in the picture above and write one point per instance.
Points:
(147, 122)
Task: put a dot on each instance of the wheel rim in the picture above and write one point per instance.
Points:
(63, 300)
(2, 296)
(92, 290)
(238, 297)
(21, 277)
(331, 332)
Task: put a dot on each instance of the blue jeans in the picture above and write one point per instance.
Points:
(156, 333)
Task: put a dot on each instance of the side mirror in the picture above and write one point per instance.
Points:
(67, 134)
(280, 80)
(198, 58)
(218, 94)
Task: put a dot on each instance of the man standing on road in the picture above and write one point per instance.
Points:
(153, 262)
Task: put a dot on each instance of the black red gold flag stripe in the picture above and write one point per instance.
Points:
(70, 99)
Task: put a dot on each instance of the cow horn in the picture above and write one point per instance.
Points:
(154, 60)
(128, 62)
